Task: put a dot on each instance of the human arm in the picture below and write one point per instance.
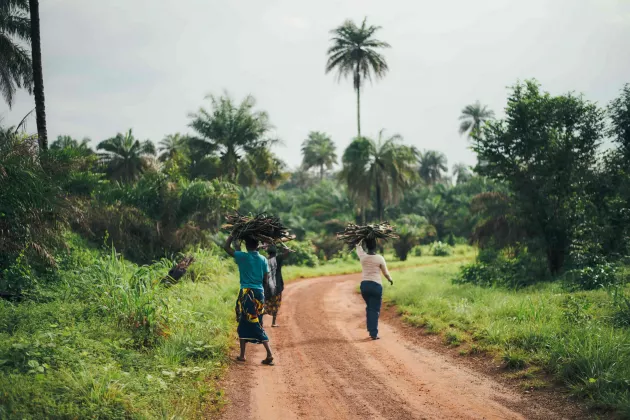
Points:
(285, 252)
(385, 271)
(228, 246)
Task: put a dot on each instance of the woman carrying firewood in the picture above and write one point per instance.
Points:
(372, 264)
(254, 271)
(371, 286)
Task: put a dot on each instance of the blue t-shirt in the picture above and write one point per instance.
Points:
(252, 268)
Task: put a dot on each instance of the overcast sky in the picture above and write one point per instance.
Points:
(119, 64)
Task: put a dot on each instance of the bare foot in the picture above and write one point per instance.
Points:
(240, 359)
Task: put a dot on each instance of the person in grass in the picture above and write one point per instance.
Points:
(372, 266)
(254, 271)
(275, 285)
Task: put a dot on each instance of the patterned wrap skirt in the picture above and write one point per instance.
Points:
(272, 305)
(249, 312)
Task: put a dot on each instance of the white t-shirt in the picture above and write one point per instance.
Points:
(373, 266)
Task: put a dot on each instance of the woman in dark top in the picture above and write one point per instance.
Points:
(275, 285)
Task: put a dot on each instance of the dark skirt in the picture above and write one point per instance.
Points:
(249, 311)
(272, 305)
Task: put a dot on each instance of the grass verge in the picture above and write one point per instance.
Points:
(573, 336)
(105, 340)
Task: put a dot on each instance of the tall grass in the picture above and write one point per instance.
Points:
(109, 341)
(573, 336)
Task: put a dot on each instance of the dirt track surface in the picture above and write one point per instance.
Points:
(327, 368)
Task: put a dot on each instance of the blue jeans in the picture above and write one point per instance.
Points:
(372, 293)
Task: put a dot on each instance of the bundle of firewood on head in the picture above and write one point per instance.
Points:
(353, 234)
(265, 229)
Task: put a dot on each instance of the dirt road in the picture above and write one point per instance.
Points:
(326, 368)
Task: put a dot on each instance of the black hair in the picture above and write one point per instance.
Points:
(370, 243)
(251, 244)
(272, 250)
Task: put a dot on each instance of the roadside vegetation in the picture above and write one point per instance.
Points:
(582, 339)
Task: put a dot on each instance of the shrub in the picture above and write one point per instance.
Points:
(328, 247)
(451, 240)
(303, 254)
(417, 251)
(34, 211)
(441, 249)
(592, 277)
(494, 269)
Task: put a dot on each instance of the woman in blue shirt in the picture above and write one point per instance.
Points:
(254, 271)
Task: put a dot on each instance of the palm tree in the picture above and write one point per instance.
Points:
(461, 172)
(383, 167)
(354, 52)
(432, 166)
(38, 76)
(172, 145)
(318, 150)
(261, 167)
(67, 142)
(15, 62)
(233, 130)
(473, 116)
(126, 158)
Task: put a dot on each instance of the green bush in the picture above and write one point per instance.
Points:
(592, 277)
(303, 254)
(440, 249)
(496, 269)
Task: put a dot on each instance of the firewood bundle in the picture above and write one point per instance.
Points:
(354, 234)
(262, 227)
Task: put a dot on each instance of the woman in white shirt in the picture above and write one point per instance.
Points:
(371, 286)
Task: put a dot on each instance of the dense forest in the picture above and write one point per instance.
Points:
(90, 228)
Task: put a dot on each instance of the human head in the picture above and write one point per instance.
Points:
(272, 250)
(251, 244)
(370, 244)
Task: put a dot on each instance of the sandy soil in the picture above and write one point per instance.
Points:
(327, 368)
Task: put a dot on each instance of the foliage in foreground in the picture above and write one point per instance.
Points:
(582, 338)
(109, 341)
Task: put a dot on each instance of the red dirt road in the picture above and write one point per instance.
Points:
(326, 368)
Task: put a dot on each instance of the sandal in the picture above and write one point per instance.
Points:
(240, 359)
(268, 361)
(375, 338)
(275, 325)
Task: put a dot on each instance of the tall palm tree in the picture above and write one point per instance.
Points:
(381, 169)
(172, 145)
(461, 172)
(432, 165)
(318, 150)
(354, 52)
(38, 76)
(15, 61)
(126, 158)
(234, 130)
(472, 117)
